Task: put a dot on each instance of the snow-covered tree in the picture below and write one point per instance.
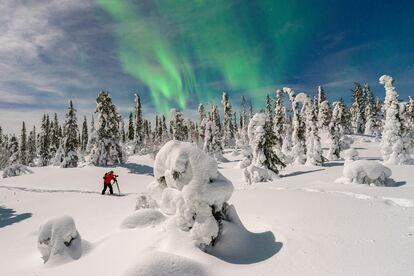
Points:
(323, 110)
(409, 124)
(55, 135)
(84, 137)
(265, 164)
(122, 130)
(358, 109)
(31, 147)
(44, 145)
(313, 141)
(13, 151)
(139, 124)
(213, 144)
(165, 136)
(23, 145)
(107, 150)
(131, 130)
(370, 116)
(70, 142)
(392, 145)
(278, 119)
(228, 130)
(179, 129)
(298, 132)
(335, 132)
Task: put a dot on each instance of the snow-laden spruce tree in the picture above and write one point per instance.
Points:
(84, 137)
(392, 145)
(3, 149)
(139, 124)
(228, 129)
(23, 145)
(55, 135)
(409, 124)
(265, 163)
(70, 141)
(32, 148)
(202, 123)
(131, 129)
(177, 123)
(278, 120)
(358, 109)
(213, 144)
(107, 151)
(298, 129)
(313, 141)
(323, 110)
(44, 141)
(14, 166)
(335, 132)
(370, 116)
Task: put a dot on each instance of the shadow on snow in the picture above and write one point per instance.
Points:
(8, 216)
(138, 169)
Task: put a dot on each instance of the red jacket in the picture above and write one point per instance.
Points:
(108, 178)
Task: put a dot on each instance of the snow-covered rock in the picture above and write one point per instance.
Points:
(16, 170)
(365, 172)
(59, 240)
(189, 187)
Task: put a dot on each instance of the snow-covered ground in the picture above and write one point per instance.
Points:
(301, 224)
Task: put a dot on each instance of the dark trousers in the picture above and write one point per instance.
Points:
(110, 189)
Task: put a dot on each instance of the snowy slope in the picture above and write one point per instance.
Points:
(301, 224)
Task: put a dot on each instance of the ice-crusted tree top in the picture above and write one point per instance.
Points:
(390, 92)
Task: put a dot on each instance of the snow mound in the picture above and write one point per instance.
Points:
(59, 240)
(143, 218)
(365, 172)
(189, 186)
(16, 170)
(165, 264)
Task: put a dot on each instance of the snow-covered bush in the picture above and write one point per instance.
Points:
(365, 172)
(16, 170)
(350, 154)
(59, 239)
(247, 158)
(265, 164)
(189, 187)
(145, 202)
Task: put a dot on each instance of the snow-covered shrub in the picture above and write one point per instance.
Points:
(59, 238)
(247, 158)
(16, 170)
(365, 172)
(350, 154)
(189, 187)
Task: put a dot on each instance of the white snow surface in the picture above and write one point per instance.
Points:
(301, 224)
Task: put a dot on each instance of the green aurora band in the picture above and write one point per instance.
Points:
(179, 49)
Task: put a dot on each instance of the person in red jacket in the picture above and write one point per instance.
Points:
(108, 177)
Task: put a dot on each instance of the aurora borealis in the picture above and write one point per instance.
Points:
(178, 53)
(179, 49)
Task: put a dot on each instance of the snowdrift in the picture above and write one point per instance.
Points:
(365, 172)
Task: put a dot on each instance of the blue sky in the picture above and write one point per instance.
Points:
(57, 50)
